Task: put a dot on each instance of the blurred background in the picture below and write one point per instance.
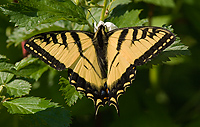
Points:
(167, 95)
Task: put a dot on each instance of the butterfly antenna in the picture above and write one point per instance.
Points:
(92, 16)
(95, 23)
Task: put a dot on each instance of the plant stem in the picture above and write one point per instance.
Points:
(103, 10)
(150, 13)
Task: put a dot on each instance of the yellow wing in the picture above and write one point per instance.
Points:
(87, 60)
(131, 47)
(69, 49)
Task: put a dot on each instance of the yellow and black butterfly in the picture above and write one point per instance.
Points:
(101, 64)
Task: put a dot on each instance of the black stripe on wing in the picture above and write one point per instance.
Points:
(99, 97)
(121, 85)
(157, 48)
(52, 37)
(121, 38)
(37, 51)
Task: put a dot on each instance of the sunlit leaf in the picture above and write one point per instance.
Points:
(18, 88)
(69, 92)
(30, 13)
(28, 105)
(3, 58)
(30, 67)
(4, 66)
(173, 50)
(20, 34)
(24, 62)
(5, 77)
(126, 21)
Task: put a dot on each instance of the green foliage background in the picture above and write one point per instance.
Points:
(166, 95)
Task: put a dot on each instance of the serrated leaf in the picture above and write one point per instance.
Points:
(5, 77)
(18, 88)
(164, 3)
(28, 67)
(33, 70)
(173, 50)
(28, 105)
(126, 21)
(4, 66)
(51, 117)
(30, 13)
(20, 33)
(118, 2)
(24, 62)
(70, 93)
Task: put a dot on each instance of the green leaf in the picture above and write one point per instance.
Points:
(1, 88)
(160, 20)
(174, 50)
(4, 66)
(30, 67)
(118, 2)
(27, 67)
(37, 74)
(5, 77)
(20, 33)
(30, 13)
(70, 93)
(28, 105)
(3, 58)
(164, 3)
(25, 62)
(51, 117)
(18, 88)
(126, 21)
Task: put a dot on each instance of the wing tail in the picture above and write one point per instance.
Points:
(121, 85)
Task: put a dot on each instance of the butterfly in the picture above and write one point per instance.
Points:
(101, 64)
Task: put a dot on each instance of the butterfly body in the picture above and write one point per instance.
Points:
(100, 42)
(101, 64)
